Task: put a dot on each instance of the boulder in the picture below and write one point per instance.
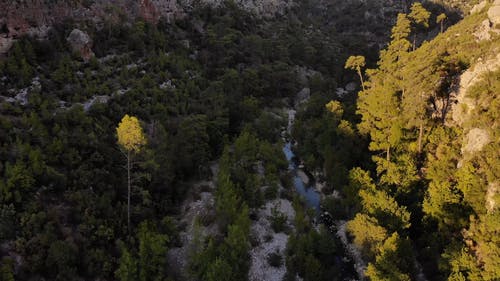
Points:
(303, 95)
(81, 43)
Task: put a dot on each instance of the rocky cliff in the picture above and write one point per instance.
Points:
(35, 17)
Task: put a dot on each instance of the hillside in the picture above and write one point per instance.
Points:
(249, 140)
(429, 116)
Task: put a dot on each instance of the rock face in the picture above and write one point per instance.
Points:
(81, 43)
(493, 196)
(264, 8)
(35, 17)
(494, 14)
(479, 7)
(464, 105)
(475, 140)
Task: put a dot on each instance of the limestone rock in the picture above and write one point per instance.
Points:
(303, 95)
(475, 140)
(464, 104)
(479, 7)
(494, 14)
(263, 8)
(493, 196)
(483, 32)
(169, 9)
(81, 43)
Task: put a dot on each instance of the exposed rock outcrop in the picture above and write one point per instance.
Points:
(479, 7)
(81, 43)
(494, 14)
(264, 8)
(490, 25)
(475, 140)
(465, 104)
(36, 17)
(493, 196)
(483, 31)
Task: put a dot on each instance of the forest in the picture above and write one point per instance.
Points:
(164, 155)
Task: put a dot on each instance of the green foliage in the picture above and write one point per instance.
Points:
(382, 206)
(368, 234)
(7, 269)
(149, 262)
(405, 110)
(227, 201)
(7, 222)
(127, 271)
(389, 263)
(278, 220)
(419, 14)
(196, 92)
(219, 270)
(62, 256)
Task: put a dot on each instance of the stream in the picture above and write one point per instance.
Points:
(305, 186)
(303, 183)
(307, 191)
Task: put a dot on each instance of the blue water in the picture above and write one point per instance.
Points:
(308, 192)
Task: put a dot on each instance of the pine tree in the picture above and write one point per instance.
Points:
(356, 63)
(420, 17)
(440, 20)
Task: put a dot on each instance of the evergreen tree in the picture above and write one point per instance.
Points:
(356, 63)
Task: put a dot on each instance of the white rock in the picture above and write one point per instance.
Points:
(479, 7)
(464, 105)
(483, 32)
(303, 176)
(492, 192)
(81, 43)
(475, 140)
(494, 14)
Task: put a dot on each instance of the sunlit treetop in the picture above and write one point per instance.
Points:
(130, 134)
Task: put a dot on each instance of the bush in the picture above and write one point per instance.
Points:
(278, 220)
(271, 192)
(275, 259)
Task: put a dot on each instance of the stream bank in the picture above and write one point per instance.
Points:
(306, 186)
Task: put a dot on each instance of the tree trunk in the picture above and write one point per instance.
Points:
(361, 79)
(388, 153)
(420, 135)
(128, 194)
(442, 26)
